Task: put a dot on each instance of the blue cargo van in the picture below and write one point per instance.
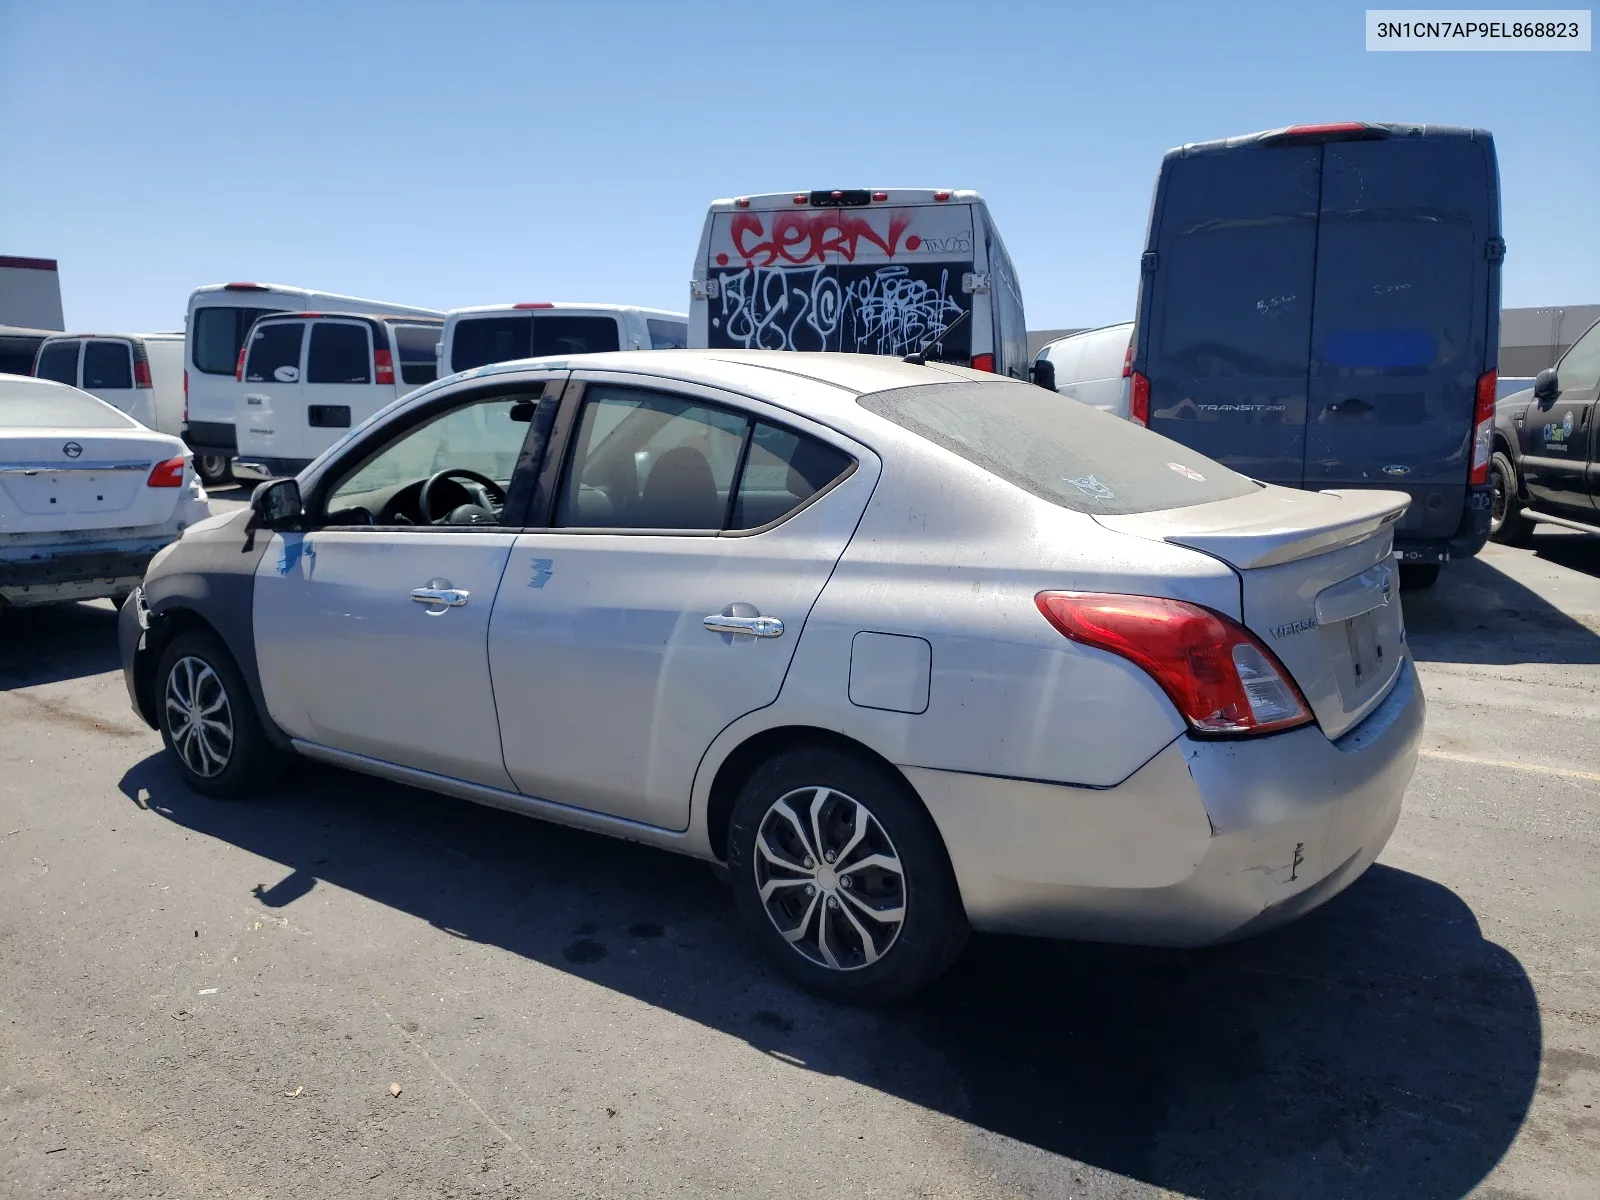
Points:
(1319, 307)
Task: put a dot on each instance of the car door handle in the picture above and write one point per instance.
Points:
(1354, 405)
(763, 627)
(447, 596)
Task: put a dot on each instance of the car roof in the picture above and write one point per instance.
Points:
(321, 314)
(895, 198)
(565, 306)
(164, 335)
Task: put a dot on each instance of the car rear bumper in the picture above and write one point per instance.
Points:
(211, 438)
(259, 470)
(1208, 841)
(52, 574)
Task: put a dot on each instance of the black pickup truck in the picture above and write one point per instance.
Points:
(1546, 461)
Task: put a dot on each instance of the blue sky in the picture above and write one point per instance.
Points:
(476, 152)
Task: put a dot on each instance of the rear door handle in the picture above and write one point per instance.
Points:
(763, 627)
(447, 596)
(1355, 404)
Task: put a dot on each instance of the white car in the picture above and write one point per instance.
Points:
(87, 495)
(910, 648)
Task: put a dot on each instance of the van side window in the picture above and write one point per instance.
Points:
(275, 348)
(59, 361)
(340, 353)
(107, 365)
(574, 335)
(418, 345)
(667, 335)
(782, 471)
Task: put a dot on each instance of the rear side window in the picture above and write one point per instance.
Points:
(478, 341)
(107, 365)
(217, 335)
(275, 353)
(1236, 266)
(26, 405)
(340, 353)
(782, 470)
(59, 361)
(667, 335)
(419, 357)
(574, 335)
(1069, 454)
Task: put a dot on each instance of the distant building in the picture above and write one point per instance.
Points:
(30, 293)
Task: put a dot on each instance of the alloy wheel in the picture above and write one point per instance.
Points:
(199, 717)
(829, 878)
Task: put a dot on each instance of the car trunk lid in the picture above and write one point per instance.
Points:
(61, 480)
(1317, 585)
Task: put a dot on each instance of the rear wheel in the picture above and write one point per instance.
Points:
(214, 469)
(843, 878)
(208, 721)
(1507, 524)
(1415, 576)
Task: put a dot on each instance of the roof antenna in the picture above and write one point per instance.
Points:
(919, 356)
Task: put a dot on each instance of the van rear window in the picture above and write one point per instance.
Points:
(574, 335)
(107, 365)
(217, 334)
(340, 353)
(59, 361)
(479, 341)
(1068, 454)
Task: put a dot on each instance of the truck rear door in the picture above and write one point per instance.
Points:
(1399, 333)
(1227, 329)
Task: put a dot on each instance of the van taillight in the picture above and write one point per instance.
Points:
(141, 374)
(535, 304)
(983, 362)
(1127, 362)
(1138, 397)
(1483, 427)
(383, 366)
(238, 367)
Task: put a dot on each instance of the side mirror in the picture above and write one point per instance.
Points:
(276, 505)
(1044, 374)
(1545, 385)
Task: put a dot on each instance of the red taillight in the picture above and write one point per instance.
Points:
(382, 366)
(1127, 362)
(1138, 397)
(535, 304)
(186, 391)
(141, 374)
(238, 367)
(166, 474)
(941, 195)
(243, 287)
(1302, 131)
(1216, 672)
(983, 362)
(1483, 428)
(801, 198)
(880, 196)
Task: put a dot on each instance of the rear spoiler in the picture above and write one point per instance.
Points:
(1272, 526)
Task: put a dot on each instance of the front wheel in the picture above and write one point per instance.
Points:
(1507, 524)
(214, 469)
(208, 721)
(843, 878)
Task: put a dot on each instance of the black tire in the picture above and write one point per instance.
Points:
(214, 470)
(1416, 576)
(838, 785)
(248, 760)
(1507, 524)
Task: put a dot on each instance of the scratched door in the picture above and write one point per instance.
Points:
(1401, 319)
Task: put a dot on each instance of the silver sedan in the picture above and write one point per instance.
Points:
(911, 649)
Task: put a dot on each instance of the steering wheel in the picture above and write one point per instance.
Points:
(488, 488)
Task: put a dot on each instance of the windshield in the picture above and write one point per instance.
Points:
(25, 405)
(1057, 449)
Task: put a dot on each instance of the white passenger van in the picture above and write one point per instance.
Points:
(219, 317)
(899, 271)
(140, 374)
(1092, 367)
(306, 379)
(474, 337)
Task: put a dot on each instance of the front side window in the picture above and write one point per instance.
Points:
(275, 353)
(340, 353)
(419, 352)
(59, 361)
(107, 365)
(1579, 368)
(217, 335)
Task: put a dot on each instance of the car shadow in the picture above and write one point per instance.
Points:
(1478, 614)
(1378, 1047)
(55, 642)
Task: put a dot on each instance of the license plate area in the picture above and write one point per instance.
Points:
(1366, 651)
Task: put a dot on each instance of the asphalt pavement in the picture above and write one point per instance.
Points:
(348, 988)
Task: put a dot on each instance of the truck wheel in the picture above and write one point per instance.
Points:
(214, 469)
(1416, 576)
(1506, 522)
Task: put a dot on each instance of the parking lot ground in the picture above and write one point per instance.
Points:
(200, 998)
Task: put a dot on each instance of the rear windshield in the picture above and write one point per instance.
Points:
(217, 334)
(479, 341)
(419, 352)
(59, 361)
(107, 365)
(26, 405)
(574, 335)
(1058, 450)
